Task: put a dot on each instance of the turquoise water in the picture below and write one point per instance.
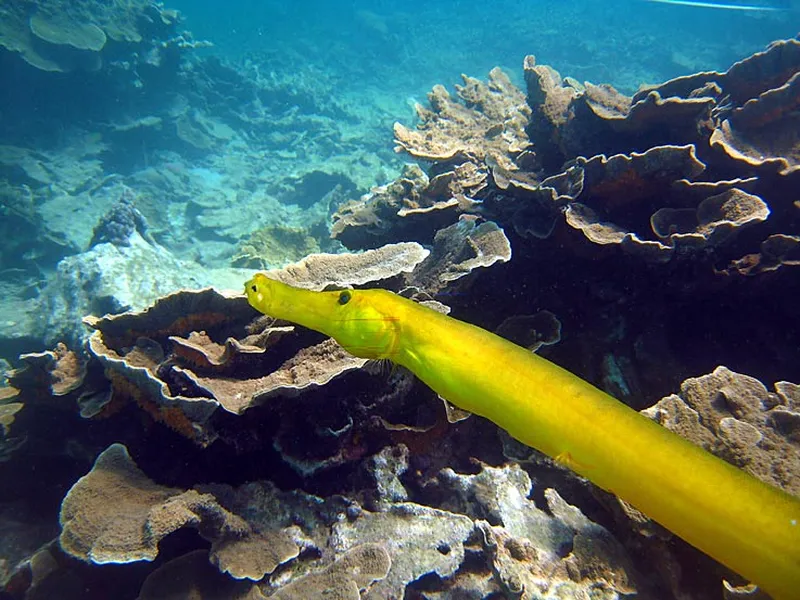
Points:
(407, 47)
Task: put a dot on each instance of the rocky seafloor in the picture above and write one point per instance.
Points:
(191, 447)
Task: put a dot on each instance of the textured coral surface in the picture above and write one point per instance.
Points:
(165, 440)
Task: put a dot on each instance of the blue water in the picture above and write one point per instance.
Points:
(407, 47)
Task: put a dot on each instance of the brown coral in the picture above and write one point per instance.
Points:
(94, 528)
(737, 418)
(764, 132)
(488, 122)
(116, 514)
(58, 371)
(460, 249)
(308, 369)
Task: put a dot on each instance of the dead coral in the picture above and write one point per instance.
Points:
(273, 247)
(418, 539)
(524, 544)
(351, 575)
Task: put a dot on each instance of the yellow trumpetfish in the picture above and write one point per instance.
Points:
(750, 526)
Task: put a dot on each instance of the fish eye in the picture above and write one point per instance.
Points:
(254, 288)
(344, 297)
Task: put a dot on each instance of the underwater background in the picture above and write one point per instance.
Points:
(613, 185)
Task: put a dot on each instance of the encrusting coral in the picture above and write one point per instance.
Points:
(91, 527)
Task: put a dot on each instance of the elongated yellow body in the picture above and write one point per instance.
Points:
(751, 527)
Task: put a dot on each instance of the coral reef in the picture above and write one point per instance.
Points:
(63, 36)
(638, 200)
(664, 181)
(635, 240)
(115, 514)
(486, 126)
(183, 358)
(180, 135)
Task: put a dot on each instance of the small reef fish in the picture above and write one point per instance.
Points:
(751, 527)
(722, 5)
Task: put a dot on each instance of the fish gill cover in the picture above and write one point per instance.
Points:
(612, 184)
